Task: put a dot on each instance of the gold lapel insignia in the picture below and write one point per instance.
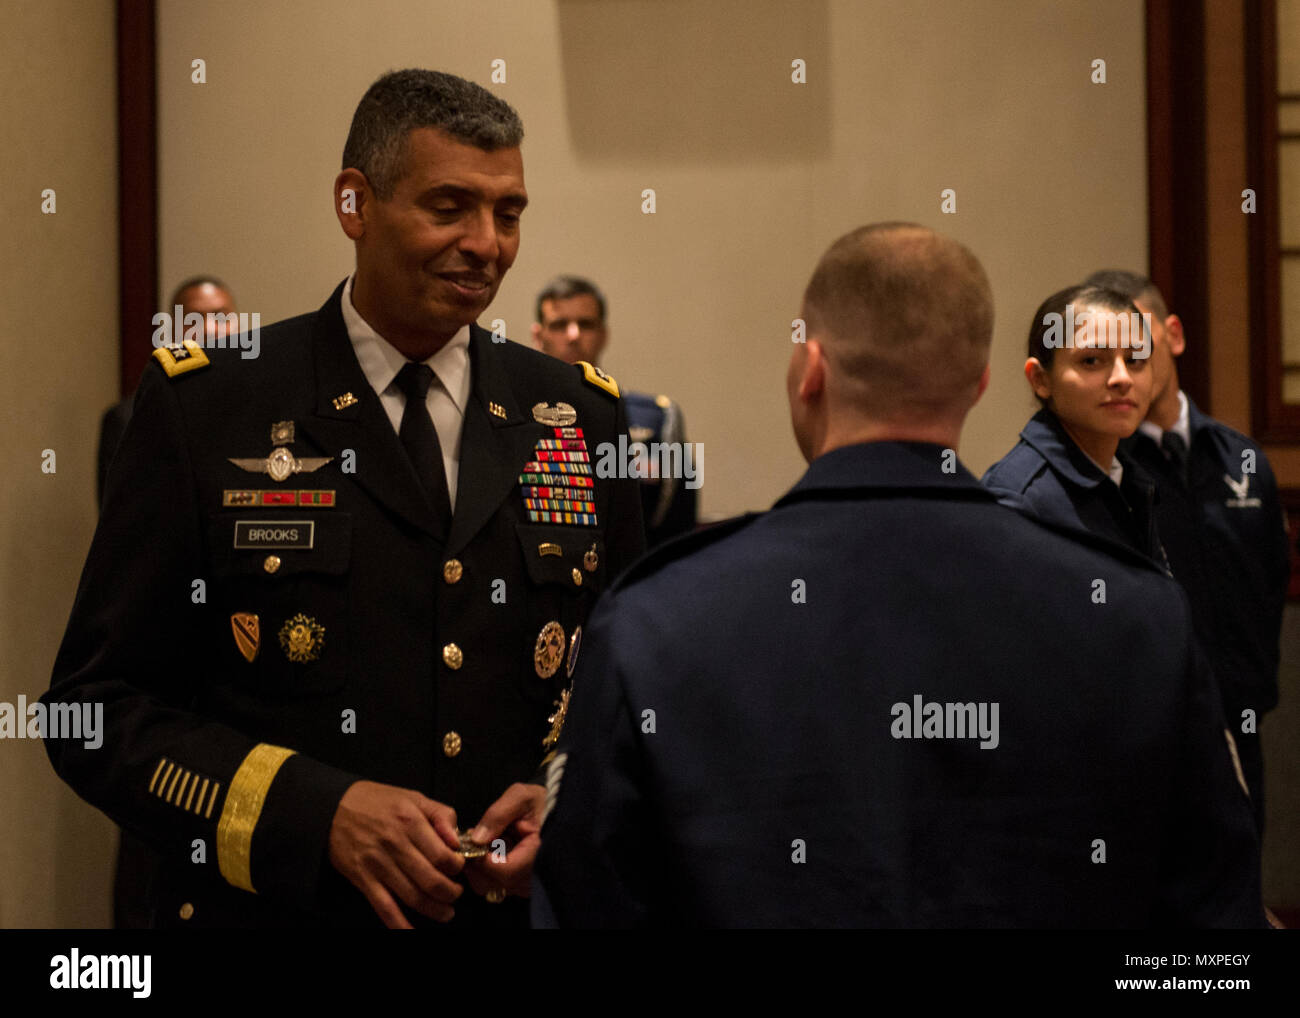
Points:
(281, 464)
(557, 721)
(248, 634)
(302, 638)
(497, 410)
(548, 652)
(282, 433)
(559, 416)
(344, 401)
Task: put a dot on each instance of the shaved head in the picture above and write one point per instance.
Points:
(905, 317)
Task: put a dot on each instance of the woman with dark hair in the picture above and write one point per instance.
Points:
(1087, 366)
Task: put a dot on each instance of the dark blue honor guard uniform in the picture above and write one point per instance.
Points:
(668, 504)
(891, 701)
(1224, 531)
(1047, 475)
(270, 611)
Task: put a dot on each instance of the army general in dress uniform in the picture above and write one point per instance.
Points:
(337, 590)
(891, 701)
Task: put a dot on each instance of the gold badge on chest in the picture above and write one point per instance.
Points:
(548, 653)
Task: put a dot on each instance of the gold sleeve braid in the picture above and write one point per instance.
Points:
(243, 808)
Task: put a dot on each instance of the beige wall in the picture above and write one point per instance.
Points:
(754, 175)
(59, 362)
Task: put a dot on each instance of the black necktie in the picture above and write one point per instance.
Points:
(420, 438)
(1176, 450)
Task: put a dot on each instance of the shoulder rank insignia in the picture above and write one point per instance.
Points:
(178, 360)
(599, 378)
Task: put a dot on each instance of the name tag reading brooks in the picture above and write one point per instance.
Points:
(275, 533)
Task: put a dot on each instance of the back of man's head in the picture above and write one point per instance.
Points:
(1133, 286)
(905, 317)
(402, 101)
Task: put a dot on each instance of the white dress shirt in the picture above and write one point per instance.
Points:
(1182, 427)
(448, 396)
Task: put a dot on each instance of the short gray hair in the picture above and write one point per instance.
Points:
(402, 101)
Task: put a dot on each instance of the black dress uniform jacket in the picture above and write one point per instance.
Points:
(1223, 529)
(1047, 475)
(387, 651)
(731, 756)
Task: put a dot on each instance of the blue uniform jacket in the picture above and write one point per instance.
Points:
(744, 749)
(1048, 476)
(1223, 529)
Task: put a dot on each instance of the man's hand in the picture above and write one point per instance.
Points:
(518, 816)
(394, 842)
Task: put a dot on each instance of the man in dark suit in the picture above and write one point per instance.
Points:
(572, 325)
(1222, 527)
(890, 701)
(203, 295)
(329, 613)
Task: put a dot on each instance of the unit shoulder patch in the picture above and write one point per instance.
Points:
(178, 360)
(595, 376)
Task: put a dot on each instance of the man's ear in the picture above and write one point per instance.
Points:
(1174, 335)
(536, 333)
(1037, 377)
(812, 380)
(351, 198)
(984, 384)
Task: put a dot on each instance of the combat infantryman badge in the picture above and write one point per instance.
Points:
(549, 650)
(302, 638)
(559, 416)
(248, 634)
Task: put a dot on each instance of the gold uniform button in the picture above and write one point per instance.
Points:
(577, 578)
(452, 570)
(187, 911)
(450, 744)
(452, 656)
(272, 563)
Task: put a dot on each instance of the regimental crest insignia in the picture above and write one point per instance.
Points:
(248, 634)
(561, 415)
(301, 638)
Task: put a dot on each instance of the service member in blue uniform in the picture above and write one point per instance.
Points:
(1222, 527)
(891, 701)
(1067, 466)
(572, 325)
(337, 590)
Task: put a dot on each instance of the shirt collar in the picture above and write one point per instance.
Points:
(381, 361)
(1182, 427)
